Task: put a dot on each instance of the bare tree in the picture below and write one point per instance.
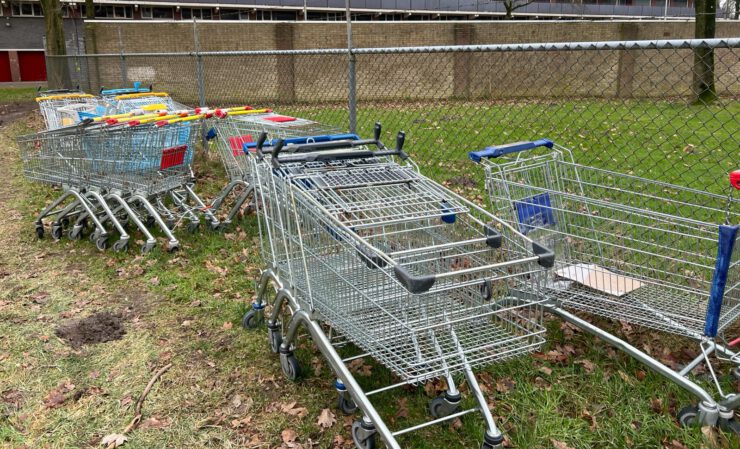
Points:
(513, 5)
(737, 10)
(704, 28)
(58, 72)
(89, 9)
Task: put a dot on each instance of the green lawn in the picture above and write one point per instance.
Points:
(225, 388)
(17, 94)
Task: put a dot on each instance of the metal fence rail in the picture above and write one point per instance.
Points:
(633, 106)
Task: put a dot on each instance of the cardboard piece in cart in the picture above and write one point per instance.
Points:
(599, 278)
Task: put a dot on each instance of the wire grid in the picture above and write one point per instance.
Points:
(145, 159)
(625, 107)
(664, 236)
(317, 250)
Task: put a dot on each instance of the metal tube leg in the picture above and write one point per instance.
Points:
(205, 209)
(48, 209)
(181, 203)
(301, 317)
(173, 243)
(708, 408)
(83, 202)
(150, 240)
(111, 216)
(239, 203)
(221, 197)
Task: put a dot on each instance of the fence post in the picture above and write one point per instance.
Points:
(199, 66)
(352, 75)
(124, 71)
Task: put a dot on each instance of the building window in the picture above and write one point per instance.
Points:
(148, 12)
(27, 9)
(245, 15)
(197, 13)
(114, 12)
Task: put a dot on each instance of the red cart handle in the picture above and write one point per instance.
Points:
(735, 179)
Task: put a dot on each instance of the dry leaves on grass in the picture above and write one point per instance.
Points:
(403, 408)
(288, 435)
(587, 365)
(113, 440)
(559, 444)
(292, 409)
(326, 419)
(59, 395)
(154, 423)
(358, 366)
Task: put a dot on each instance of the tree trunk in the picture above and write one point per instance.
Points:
(703, 83)
(737, 10)
(89, 9)
(509, 5)
(57, 70)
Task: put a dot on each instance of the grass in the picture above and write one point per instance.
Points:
(225, 389)
(17, 94)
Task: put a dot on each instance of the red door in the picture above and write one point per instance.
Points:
(32, 65)
(5, 74)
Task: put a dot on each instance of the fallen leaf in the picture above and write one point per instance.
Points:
(292, 410)
(505, 385)
(587, 365)
(126, 401)
(456, 424)
(228, 325)
(657, 405)
(114, 440)
(288, 435)
(546, 370)
(559, 444)
(403, 408)
(154, 423)
(326, 419)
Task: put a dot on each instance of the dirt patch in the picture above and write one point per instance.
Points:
(14, 111)
(463, 181)
(96, 328)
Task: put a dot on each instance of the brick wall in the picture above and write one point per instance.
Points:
(290, 79)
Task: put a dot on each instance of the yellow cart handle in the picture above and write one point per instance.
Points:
(141, 95)
(64, 97)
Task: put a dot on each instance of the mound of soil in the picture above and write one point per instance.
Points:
(96, 328)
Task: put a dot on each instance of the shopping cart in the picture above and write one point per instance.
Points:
(66, 109)
(142, 101)
(129, 165)
(632, 249)
(236, 127)
(358, 241)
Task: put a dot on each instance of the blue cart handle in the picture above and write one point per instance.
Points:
(304, 140)
(500, 150)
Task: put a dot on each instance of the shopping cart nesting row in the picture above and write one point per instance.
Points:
(423, 280)
(631, 249)
(66, 109)
(115, 171)
(239, 126)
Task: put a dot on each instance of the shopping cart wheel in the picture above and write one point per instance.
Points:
(173, 248)
(40, 231)
(170, 224)
(56, 232)
(121, 246)
(75, 233)
(490, 442)
(193, 227)
(275, 339)
(730, 425)
(150, 221)
(346, 405)
(251, 320)
(363, 434)
(688, 416)
(290, 365)
(444, 405)
(735, 372)
(216, 226)
(65, 222)
(102, 243)
(147, 248)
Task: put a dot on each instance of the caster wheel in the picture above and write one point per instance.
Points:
(730, 426)
(216, 227)
(147, 248)
(736, 373)
(291, 368)
(492, 443)
(120, 246)
(193, 227)
(346, 405)
(56, 232)
(75, 233)
(363, 438)
(150, 221)
(252, 321)
(441, 407)
(173, 248)
(688, 416)
(94, 236)
(39, 231)
(102, 243)
(275, 339)
(65, 222)
(170, 224)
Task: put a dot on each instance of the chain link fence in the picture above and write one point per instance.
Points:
(645, 107)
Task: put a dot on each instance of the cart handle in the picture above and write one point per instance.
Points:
(300, 140)
(141, 95)
(223, 113)
(63, 96)
(307, 151)
(500, 150)
(735, 179)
